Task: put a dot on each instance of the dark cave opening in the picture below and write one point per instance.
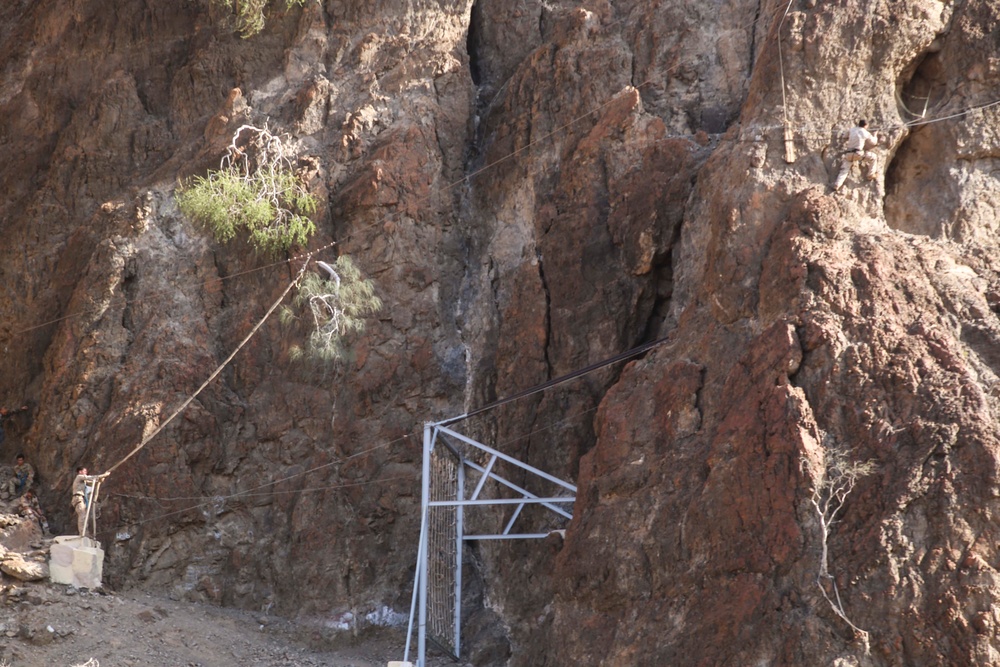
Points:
(912, 203)
(924, 90)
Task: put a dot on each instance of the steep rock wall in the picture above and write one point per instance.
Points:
(835, 330)
(120, 308)
(626, 182)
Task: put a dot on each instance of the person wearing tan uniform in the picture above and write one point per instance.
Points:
(83, 488)
(859, 144)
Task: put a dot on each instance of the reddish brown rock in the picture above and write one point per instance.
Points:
(617, 176)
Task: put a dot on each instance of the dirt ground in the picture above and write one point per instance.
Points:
(51, 625)
(43, 624)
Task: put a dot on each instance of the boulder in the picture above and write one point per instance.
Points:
(15, 565)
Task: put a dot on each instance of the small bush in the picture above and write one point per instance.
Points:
(248, 15)
(254, 190)
(338, 304)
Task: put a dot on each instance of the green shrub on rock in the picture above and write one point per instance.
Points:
(248, 15)
(254, 190)
(338, 303)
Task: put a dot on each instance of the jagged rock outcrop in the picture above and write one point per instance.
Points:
(534, 187)
(123, 307)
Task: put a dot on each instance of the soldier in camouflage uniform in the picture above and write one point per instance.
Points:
(24, 475)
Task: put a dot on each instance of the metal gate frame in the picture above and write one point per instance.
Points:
(437, 433)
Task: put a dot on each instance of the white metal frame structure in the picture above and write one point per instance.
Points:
(443, 560)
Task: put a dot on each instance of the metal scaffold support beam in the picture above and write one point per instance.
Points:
(447, 468)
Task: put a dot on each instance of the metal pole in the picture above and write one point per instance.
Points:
(508, 536)
(509, 459)
(86, 513)
(523, 500)
(486, 476)
(91, 504)
(459, 530)
(425, 496)
(525, 494)
(416, 586)
(510, 524)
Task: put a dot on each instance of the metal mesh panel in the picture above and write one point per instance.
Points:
(441, 551)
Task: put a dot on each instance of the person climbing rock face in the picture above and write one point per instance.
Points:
(859, 144)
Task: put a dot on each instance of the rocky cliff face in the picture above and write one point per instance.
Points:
(122, 308)
(533, 187)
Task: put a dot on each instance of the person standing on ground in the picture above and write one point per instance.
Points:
(859, 144)
(83, 487)
(24, 475)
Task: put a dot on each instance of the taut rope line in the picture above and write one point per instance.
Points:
(223, 365)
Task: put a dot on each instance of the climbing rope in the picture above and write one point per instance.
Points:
(789, 137)
(223, 365)
(923, 121)
(152, 296)
(217, 499)
(821, 131)
(636, 351)
(206, 501)
(277, 481)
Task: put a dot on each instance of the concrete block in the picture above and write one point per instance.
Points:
(400, 663)
(76, 561)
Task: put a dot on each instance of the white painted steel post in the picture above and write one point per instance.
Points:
(505, 457)
(91, 505)
(425, 498)
(486, 476)
(510, 524)
(416, 585)
(459, 532)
